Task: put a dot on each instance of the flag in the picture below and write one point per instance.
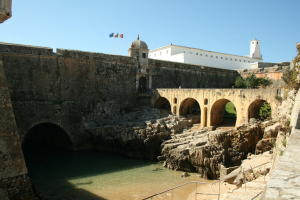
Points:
(121, 36)
(117, 35)
(111, 35)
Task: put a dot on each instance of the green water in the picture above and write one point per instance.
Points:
(60, 174)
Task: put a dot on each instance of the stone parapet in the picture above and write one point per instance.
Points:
(5, 10)
(25, 49)
(284, 182)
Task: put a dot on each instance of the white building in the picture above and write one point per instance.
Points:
(208, 58)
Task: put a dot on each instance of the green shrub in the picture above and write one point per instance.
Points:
(265, 111)
(251, 82)
(239, 82)
(284, 142)
(279, 98)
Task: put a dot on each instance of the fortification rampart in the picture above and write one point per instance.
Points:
(13, 172)
(73, 89)
(69, 88)
(173, 74)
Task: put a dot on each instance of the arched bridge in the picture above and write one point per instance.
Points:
(212, 102)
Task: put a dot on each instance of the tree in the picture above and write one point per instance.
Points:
(264, 82)
(251, 82)
(239, 82)
(265, 111)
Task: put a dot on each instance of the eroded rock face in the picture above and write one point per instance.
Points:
(139, 133)
(205, 151)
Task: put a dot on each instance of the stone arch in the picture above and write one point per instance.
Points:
(162, 103)
(47, 133)
(187, 106)
(254, 107)
(217, 111)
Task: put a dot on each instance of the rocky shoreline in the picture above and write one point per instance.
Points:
(139, 134)
(215, 153)
(147, 134)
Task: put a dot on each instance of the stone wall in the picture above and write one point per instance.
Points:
(13, 172)
(5, 10)
(262, 65)
(172, 74)
(74, 89)
(273, 73)
(67, 88)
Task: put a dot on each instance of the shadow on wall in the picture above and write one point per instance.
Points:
(221, 109)
(59, 173)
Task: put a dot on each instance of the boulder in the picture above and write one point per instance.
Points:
(252, 120)
(161, 158)
(272, 131)
(184, 174)
(264, 145)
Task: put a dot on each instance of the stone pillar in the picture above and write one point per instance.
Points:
(5, 10)
(12, 164)
(150, 82)
(137, 81)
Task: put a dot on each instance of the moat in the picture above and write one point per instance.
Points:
(61, 174)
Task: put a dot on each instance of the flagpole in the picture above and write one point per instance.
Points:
(122, 45)
(118, 45)
(114, 43)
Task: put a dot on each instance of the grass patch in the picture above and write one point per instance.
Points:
(230, 111)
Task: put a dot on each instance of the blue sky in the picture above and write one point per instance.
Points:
(225, 26)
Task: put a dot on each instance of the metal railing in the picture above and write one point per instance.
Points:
(242, 171)
(144, 91)
(175, 188)
(219, 181)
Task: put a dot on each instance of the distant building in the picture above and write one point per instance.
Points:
(208, 58)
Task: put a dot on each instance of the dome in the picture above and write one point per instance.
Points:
(138, 44)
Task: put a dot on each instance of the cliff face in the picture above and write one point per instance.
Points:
(139, 133)
(205, 151)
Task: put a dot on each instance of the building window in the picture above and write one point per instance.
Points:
(221, 57)
(252, 42)
(196, 53)
(248, 61)
(257, 42)
(216, 56)
(211, 56)
(175, 100)
(205, 101)
(225, 58)
(206, 55)
(200, 54)
(155, 55)
(244, 60)
(190, 52)
(159, 53)
(230, 58)
(235, 59)
(183, 51)
(240, 60)
(143, 55)
(167, 51)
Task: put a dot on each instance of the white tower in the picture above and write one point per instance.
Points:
(254, 49)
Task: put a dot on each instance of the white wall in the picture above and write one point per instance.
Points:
(202, 57)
